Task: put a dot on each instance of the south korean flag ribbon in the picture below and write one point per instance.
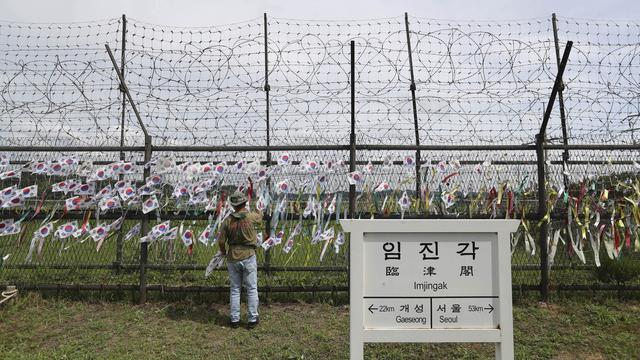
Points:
(101, 174)
(40, 168)
(187, 237)
(16, 201)
(66, 230)
(205, 235)
(99, 233)
(11, 174)
(133, 232)
(4, 161)
(38, 239)
(284, 159)
(283, 187)
(29, 191)
(109, 203)
(150, 204)
(86, 189)
(5, 225)
(8, 193)
(127, 192)
(187, 240)
(355, 178)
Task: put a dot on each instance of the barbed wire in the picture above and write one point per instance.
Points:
(57, 87)
(476, 82)
(602, 92)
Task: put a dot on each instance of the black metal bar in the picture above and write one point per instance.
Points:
(283, 289)
(594, 162)
(542, 182)
(563, 117)
(536, 267)
(556, 87)
(203, 216)
(344, 148)
(198, 267)
(596, 287)
(166, 267)
(144, 229)
(122, 70)
(267, 88)
(412, 87)
(371, 147)
(123, 85)
(71, 148)
(352, 151)
(267, 148)
(604, 147)
(178, 289)
(119, 249)
(202, 267)
(119, 239)
(447, 147)
(544, 227)
(61, 266)
(352, 136)
(379, 162)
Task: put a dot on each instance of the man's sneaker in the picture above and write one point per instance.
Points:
(252, 324)
(234, 324)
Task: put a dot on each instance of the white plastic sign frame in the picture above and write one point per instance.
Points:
(496, 230)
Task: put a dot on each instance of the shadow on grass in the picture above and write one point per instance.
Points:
(198, 313)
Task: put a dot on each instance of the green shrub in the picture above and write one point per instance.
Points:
(619, 271)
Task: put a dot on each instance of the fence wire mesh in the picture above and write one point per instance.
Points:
(268, 102)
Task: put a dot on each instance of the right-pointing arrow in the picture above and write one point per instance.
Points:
(490, 308)
(371, 308)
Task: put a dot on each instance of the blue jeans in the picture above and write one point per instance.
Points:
(244, 272)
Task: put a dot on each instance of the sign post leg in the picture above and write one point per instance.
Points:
(356, 349)
(504, 350)
(356, 311)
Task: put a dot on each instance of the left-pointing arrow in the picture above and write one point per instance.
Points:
(371, 308)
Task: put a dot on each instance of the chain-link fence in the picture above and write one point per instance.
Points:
(316, 121)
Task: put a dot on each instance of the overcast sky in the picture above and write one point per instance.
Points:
(212, 12)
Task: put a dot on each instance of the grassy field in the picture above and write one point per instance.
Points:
(33, 327)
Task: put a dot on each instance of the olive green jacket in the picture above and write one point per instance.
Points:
(238, 234)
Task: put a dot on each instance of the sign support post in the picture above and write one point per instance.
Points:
(431, 281)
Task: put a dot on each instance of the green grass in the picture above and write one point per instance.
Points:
(33, 327)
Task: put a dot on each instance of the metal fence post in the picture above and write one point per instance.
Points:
(122, 72)
(412, 87)
(144, 227)
(352, 155)
(542, 211)
(563, 117)
(352, 137)
(542, 190)
(119, 240)
(147, 157)
(267, 221)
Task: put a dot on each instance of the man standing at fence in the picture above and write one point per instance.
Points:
(239, 234)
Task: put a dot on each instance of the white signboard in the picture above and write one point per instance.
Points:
(431, 281)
